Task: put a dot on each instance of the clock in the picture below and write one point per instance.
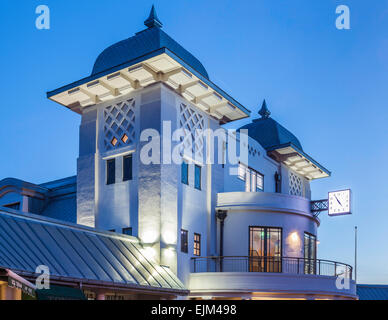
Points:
(339, 202)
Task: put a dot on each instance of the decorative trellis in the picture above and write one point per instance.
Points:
(119, 124)
(193, 123)
(296, 184)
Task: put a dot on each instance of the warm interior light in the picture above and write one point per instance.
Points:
(124, 138)
(114, 141)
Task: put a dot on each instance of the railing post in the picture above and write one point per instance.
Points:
(335, 269)
(298, 265)
(319, 267)
(194, 265)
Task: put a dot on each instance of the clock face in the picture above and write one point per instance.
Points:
(339, 202)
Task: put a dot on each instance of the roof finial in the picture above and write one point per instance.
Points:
(264, 112)
(152, 20)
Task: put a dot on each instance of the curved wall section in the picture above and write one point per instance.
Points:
(290, 213)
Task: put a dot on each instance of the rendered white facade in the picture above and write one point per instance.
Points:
(156, 205)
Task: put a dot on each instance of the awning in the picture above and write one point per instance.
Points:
(298, 161)
(60, 293)
(17, 282)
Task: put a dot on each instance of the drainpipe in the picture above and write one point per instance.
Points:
(221, 215)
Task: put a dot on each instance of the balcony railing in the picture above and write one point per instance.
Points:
(272, 265)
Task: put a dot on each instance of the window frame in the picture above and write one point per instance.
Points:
(277, 260)
(13, 206)
(184, 163)
(197, 244)
(123, 231)
(309, 262)
(248, 182)
(107, 180)
(195, 177)
(184, 241)
(130, 174)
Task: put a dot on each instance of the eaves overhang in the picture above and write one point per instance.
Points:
(161, 65)
(298, 161)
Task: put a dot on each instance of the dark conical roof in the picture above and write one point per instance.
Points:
(153, 20)
(142, 43)
(264, 112)
(268, 132)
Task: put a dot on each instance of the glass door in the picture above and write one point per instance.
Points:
(310, 253)
(265, 249)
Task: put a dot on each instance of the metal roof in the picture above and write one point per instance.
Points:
(269, 133)
(77, 252)
(372, 292)
(146, 41)
(148, 57)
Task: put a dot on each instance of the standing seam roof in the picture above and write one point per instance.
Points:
(142, 43)
(71, 251)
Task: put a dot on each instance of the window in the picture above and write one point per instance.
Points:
(185, 173)
(111, 171)
(265, 249)
(15, 206)
(197, 177)
(184, 241)
(197, 244)
(310, 253)
(127, 231)
(254, 180)
(112, 230)
(127, 168)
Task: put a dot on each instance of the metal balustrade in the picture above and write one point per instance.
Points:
(286, 265)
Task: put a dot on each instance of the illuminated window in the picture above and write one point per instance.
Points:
(197, 244)
(127, 167)
(113, 141)
(185, 172)
(310, 253)
(254, 180)
(260, 182)
(184, 241)
(265, 249)
(197, 177)
(111, 171)
(124, 138)
(241, 171)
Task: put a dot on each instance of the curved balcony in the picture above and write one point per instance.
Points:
(272, 265)
(265, 201)
(271, 277)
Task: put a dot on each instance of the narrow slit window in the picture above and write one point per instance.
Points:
(111, 171)
(185, 173)
(127, 231)
(127, 168)
(197, 244)
(197, 181)
(184, 241)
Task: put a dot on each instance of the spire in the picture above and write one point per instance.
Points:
(152, 20)
(264, 112)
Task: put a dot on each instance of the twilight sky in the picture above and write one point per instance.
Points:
(327, 86)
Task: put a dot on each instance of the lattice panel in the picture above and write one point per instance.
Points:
(191, 121)
(296, 184)
(119, 124)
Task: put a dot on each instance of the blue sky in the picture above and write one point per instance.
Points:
(327, 86)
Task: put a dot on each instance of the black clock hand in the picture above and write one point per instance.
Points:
(338, 200)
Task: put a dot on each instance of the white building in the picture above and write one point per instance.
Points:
(242, 229)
